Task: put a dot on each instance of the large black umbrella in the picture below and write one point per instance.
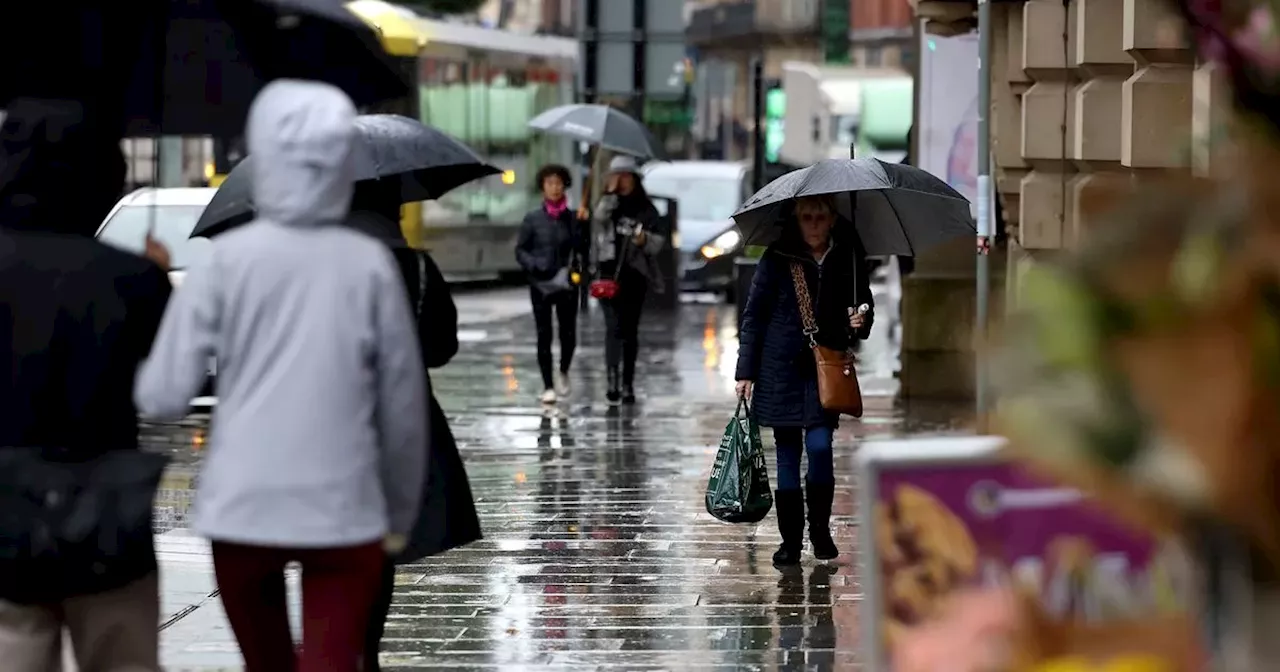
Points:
(600, 125)
(186, 67)
(898, 210)
(425, 162)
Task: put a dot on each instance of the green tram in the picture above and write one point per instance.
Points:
(482, 86)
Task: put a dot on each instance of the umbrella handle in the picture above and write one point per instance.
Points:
(587, 183)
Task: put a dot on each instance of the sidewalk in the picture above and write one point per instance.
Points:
(598, 552)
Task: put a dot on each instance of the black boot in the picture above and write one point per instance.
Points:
(614, 395)
(628, 383)
(820, 497)
(789, 505)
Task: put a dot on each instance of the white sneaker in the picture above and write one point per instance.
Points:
(549, 396)
(562, 384)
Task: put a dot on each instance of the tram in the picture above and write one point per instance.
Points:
(483, 86)
(480, 85)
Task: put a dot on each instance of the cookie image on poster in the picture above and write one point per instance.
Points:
(925, 552)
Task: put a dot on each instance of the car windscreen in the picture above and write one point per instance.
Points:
(127, 230)
(702, 198)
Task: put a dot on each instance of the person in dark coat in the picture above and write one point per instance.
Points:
(627, 231)
(448, 519)
(78, 318)
(549, 249)
(776, 367)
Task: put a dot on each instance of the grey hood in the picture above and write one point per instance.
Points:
(301, 135)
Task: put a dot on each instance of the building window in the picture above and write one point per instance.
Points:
(873, 56)
(908, 58)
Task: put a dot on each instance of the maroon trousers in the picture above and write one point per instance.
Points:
(339, 586)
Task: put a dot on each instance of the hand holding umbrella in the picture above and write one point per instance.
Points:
(157, 252)
(858, 318)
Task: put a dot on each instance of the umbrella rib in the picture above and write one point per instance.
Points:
(905, 236)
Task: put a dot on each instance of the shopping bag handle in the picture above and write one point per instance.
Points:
(742, 401)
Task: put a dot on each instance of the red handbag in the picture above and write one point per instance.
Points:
(607, 288)
(604, 289)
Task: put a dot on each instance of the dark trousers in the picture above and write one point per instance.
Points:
(565, 306)
(338, 590)
(622, 322)
(815, 442)
(378, 617)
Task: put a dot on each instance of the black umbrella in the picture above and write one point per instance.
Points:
(900, 210)
(426, 163)
(186, 67)
(600, 125)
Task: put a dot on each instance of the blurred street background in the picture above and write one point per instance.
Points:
(598, 553)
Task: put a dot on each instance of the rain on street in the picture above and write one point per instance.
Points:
(598, 552)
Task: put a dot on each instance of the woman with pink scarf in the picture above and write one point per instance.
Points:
(550, 247)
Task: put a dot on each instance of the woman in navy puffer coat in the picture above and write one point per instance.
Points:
(776, 367)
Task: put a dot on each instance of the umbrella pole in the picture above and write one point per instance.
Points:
(981, 390)
(588, 186)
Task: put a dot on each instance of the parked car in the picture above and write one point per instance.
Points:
(171, 214)
(707, 193)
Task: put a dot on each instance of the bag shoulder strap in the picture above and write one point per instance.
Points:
(422, 282)
(621, 259)
(805, 303)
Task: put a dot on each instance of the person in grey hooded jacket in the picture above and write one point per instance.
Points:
(316, 450)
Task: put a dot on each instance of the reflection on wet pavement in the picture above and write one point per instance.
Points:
(598, 552)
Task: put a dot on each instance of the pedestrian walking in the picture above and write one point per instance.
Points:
(627, 236)
(447, 518)
(78, 317)
(777, 372)
(316, 451)
(550, 246)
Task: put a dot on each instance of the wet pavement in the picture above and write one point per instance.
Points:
(598, 552)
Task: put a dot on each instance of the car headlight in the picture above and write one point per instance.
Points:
(722, 245)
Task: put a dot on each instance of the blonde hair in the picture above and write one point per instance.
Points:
(823, 202)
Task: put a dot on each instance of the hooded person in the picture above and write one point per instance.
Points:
(628, 233)
(317, 451)
(78, 317)
(447, 518)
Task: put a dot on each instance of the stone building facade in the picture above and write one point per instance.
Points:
(1086, 94)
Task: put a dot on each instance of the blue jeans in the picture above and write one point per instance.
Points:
(817, 444)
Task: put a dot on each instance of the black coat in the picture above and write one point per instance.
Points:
(548, 244)
(773, 350)
(448, 517)
(77, 317)
(641, 267)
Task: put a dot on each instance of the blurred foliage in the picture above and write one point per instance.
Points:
(444, 6)
(1145, 366)
(1242, 37)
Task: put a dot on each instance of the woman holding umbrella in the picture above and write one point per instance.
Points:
(832, 215)
(819, 260)
(447, 518)
(627, 235)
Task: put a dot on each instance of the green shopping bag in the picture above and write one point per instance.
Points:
(738, 491)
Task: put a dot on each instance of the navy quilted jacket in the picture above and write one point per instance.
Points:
(773, 350)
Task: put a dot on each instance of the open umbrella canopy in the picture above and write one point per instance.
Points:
(600, 125)
(898, 210)
(425, 162)
(186, 67)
